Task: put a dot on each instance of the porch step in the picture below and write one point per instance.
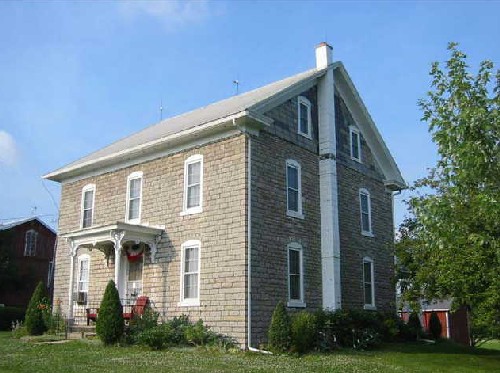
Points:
(81, 331)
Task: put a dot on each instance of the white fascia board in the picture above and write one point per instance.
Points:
(352, 99)
(154, 149)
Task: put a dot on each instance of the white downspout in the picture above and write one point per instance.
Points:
(249, 243)
(72, 253)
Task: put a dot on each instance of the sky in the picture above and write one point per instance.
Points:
(76, 76)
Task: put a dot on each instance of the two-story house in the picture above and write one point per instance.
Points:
(280, 193)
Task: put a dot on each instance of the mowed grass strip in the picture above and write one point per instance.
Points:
(91, 356)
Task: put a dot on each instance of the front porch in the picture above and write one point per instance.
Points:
(124, 249)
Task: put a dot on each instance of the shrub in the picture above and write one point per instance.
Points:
(156, 337)
(8, 315)
(435, 327)
(179, 324)
(197, 334)
(110, 324)
(35, 313)
(279, 332)
(141, 323)
(414, 326)
(18, 329)
(304, 332)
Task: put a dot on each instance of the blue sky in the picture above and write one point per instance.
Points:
(76, 76)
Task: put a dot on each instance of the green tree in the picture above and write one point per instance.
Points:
(35, 313)
(454, 250)
(110, 324)
(280, 332)
(435, 327)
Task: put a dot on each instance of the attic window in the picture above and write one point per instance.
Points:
(304, 117)
(30, 243)
(355, 142)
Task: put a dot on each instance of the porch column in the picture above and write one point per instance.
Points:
(117, 241)
(72, 253)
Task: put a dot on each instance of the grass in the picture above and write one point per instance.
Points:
(90, 356)
(494, 344)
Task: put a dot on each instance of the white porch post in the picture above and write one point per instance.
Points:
(72, 253)
(117, 241)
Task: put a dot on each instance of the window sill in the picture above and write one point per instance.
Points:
(367, 234)
(369, 307)
(294, 214)
(192, 211)
(356, 159)
(295, 304)
(133, 221)
(307, 136)
(189, 303)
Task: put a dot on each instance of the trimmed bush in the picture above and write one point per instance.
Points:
(280, 332)
(435, 327)
(197, 334)
(414, 326)
(9, 315)
(35, 313)
(110, 324)
(304, 332)
(157, 337)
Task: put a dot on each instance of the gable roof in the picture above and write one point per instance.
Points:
(15, 223)
(252, 104)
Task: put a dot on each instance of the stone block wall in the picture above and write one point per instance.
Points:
(221, 228)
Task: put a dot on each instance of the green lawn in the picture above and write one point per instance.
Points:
(90, 356)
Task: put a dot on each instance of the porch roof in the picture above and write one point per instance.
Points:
(116, 234)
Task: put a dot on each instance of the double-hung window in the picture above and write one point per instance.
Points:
(368, 284)
(134, 197)
(293, 189)
(355, 142)
(190, 274)
(366, 213)
(304, 117)
(83, 278)
(193, 185)
(295, 276)
(30, 239)
(88, 197)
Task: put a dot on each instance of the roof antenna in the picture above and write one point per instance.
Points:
(161, 109)
(236, 82)
(33, 210)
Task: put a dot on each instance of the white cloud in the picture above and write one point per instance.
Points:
(171, 13)
(8, 149)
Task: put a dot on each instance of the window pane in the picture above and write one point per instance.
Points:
(191, 259)
(194, 173)
(193, 199)
(294, 257)
(87, 218)
(292, 177)
(88, 199)
(367, 271)
(364, 203)
(295, 287)
(304, 119)
(293, 200)
(365, 222)
(191, 286)
(135, 188)
(133, 212)
(368, 294)
(135, 271)
(354, 145)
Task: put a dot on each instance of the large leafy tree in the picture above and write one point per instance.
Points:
(452, 246)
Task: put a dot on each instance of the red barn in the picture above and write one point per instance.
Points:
(26, 257)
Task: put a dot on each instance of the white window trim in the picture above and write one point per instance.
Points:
(26, 242)
(190, 302)
(294, 214)
(87, 188)
(356, 131)
(198, 209)
(296, 303)
(81, 258)
(368, 306)
(366, 233)
(133, 176)
(307, 103)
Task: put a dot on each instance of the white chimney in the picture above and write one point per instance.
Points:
(323, 55)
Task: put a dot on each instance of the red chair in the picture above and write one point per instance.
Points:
(138, 309)
(91, 314)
